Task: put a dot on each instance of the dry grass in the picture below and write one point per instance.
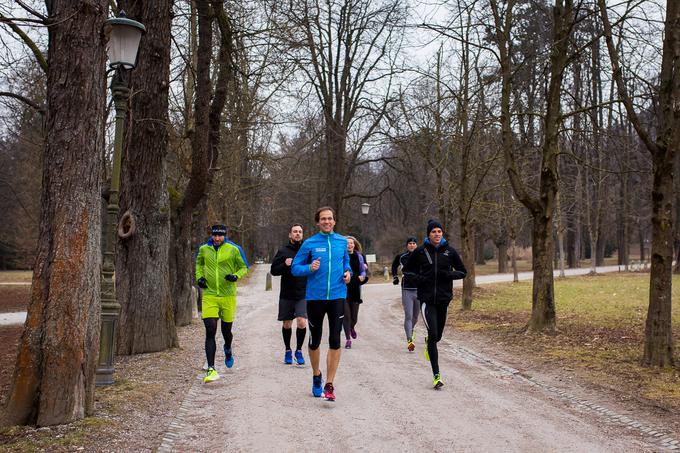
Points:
(600, 324)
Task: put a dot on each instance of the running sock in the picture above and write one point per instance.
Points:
(210, 345)
(300, 336)
(287, 333)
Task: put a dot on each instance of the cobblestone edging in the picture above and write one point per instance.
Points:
(656, 436)
(177, 424)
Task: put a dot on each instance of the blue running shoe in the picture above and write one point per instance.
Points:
(288, 358)
(228, 357)
(317, 386)
(298, 357)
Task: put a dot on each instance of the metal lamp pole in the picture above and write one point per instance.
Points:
(123, 46)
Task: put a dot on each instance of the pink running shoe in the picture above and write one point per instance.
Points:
(348, 344)
(328, 392)
(353, 333)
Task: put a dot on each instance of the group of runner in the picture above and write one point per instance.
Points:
(321, 277)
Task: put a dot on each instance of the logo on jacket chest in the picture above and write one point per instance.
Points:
(446, 253)
(320, 249)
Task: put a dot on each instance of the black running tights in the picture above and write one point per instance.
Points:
(434, 317)
(210, 332)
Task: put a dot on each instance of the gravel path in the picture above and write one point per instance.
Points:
(384, 397)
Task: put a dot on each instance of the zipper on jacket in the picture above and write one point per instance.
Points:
(217, 270)
(330, 257)
(435, 275)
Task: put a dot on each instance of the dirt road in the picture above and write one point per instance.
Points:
(384, 397)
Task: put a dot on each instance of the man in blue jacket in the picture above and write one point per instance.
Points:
(324, 260)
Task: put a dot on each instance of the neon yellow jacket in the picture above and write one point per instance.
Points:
(215, 264)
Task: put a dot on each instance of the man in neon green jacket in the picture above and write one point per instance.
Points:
(219, 265)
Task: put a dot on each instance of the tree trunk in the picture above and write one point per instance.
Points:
(147, 322)
(502, 257)
(479, 249)
(467, 242)
(543, 300)
(601, 242)
(513, 260)
(658, 327)
(54, 375)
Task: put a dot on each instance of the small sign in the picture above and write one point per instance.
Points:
(370, 258)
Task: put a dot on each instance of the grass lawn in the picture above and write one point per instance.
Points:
(600, 323)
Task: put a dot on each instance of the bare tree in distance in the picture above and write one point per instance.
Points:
(346, 52)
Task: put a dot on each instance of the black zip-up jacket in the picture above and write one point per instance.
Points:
(407, 281)
(292, 287)
(434, 270)
(354, 285)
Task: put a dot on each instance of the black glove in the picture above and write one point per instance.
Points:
(455, 275)
(202, 282)
(230, 277)
(395, 281)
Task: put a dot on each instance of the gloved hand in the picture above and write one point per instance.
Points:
(455, 275)
(230, 277)
(395, 280)
(202, 282)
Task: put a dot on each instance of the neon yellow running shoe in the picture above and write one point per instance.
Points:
(410, 346)
(437, 381)
(211, 375)
(427, 354)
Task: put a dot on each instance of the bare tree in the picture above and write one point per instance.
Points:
(54, 375)
(542, 205)
(345, 49)
(147, 321)
(658, 348)
(181, 272)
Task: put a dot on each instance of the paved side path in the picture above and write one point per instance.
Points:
(20, 317)
(385, 401)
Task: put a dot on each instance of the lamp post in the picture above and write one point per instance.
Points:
(365, 207)
(125, 35)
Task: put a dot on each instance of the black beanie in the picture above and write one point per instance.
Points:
(432, 224)
(219, 229)
(411, 239)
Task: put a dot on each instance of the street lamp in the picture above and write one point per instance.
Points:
(125, 35)
(365, 207)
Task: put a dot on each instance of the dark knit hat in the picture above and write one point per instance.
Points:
(432, 224)
(411, 239)
(219, 229)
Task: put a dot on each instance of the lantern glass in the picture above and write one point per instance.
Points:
(365, 207)
(123, 46)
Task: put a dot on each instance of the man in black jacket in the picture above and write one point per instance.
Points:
(409, 295)
(435, 265)
(292, 303)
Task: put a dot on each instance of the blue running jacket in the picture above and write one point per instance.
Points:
(326, 283)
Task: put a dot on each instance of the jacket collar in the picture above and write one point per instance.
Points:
(441, 244)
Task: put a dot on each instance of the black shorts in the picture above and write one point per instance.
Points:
(290, 309)
(318, 309)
